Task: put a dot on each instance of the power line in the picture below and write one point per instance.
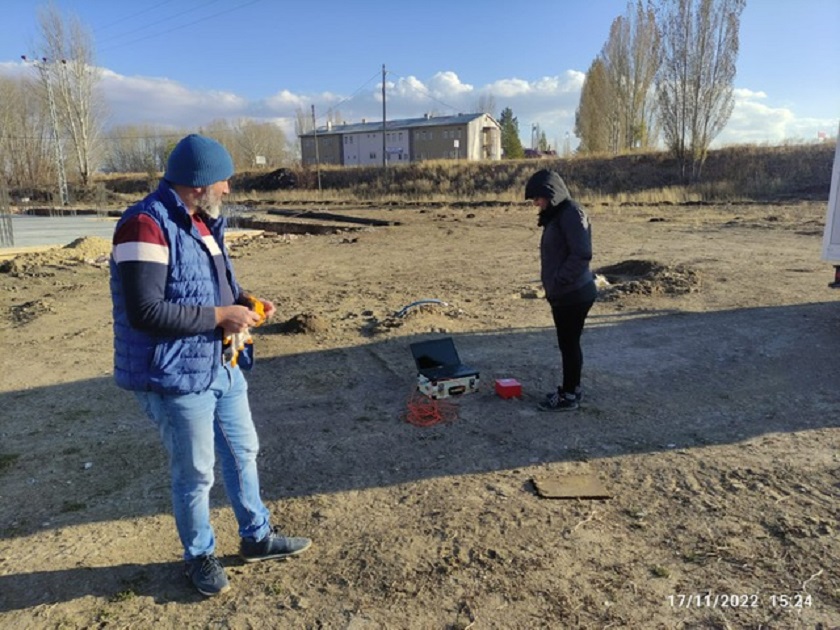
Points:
(156, 22)
(108, 138)
(181, 26)
(354, 94)
(133, 15)
(378, 74)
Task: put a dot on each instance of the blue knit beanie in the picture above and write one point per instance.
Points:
(198, 161)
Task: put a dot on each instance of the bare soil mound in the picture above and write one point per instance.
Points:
(646, 277)
(302, 323)
(428, 317)
(90, 249)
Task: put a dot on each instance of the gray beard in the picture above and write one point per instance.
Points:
(206, 206)
(214, 211)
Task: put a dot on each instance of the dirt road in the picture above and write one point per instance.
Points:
(710, 417)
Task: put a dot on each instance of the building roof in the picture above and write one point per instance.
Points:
(393, 125)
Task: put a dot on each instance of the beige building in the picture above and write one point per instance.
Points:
(461, 137)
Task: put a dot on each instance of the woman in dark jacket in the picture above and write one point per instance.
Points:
(565, 253)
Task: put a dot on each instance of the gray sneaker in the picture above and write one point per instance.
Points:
(559, 402)
(275, 545)
(207, 575)
(578, 394)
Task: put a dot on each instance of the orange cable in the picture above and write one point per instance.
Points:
(423, 411)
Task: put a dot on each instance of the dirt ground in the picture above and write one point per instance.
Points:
(710, 417)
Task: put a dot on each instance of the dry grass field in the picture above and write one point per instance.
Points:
(710, 419)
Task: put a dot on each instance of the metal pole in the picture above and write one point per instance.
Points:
(7, 237)
(384, 154)
(43, 69)
(317, 157)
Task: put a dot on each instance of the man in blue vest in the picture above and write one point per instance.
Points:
(175, 302)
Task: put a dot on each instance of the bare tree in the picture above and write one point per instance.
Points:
(246, 139)
(26, 159)
(260, 139)
(486, 104)
(695, 83)
(334, 117)
(303, 121)
(67, 45)
(137, 149)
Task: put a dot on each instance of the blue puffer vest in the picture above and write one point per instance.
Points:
(171, 364)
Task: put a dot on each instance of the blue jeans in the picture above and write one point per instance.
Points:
(190, 425)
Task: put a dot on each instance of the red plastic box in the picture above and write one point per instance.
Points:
(508, 388)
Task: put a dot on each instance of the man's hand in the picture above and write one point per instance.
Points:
(237, 318)
(268, 308)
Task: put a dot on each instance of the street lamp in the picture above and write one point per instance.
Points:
(43, 69)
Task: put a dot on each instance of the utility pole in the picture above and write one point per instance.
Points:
(7, 236)
(43, 68)
(317, 157)
(384, 154)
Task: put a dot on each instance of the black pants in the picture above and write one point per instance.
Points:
(568, 320)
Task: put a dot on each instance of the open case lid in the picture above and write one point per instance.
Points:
(435, 353)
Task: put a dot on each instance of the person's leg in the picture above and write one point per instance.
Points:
(569, 321)
(185, 424)
(237, 445)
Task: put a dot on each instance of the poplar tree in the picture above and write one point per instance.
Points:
(616, 103)
(694, 86)
(631, 59)
(593, 118)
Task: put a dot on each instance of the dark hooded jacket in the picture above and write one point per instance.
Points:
(566, 243)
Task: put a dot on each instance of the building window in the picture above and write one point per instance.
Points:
(373, 155)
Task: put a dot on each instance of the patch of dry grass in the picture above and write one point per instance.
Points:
(732, 174)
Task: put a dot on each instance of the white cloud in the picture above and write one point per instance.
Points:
(549, 102)
(283, 100)
(753, 121)
(509, 88)
(448, 85)
(407, 87)
(745, 94)
(160, 101)
(14, 69)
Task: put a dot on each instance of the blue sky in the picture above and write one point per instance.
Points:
(183, 63)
